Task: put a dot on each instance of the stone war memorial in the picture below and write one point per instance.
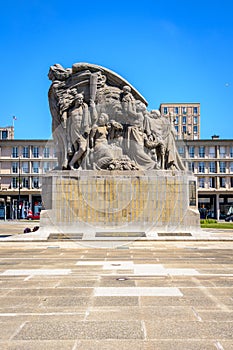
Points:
(119, 174)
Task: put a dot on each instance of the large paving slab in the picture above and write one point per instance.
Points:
(146, 295)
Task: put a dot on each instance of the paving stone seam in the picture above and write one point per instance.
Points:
(144, 331)
(218, 345)
(198, 317)
(218, 303)
(14, 314)
(18, 330)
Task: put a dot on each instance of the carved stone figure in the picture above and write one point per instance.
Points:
(100, 121)
(58, 89)
(135, 137)
(102, 155)
(79, 128)
(164, 131)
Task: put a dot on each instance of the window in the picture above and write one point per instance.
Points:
(184, 120)
(35, 152)
(4, 135)
(191, 151)
(201, 167)
(191, 166)
(194, 120)
(231, 151)
(231, 167)
(222, 182)
(25, 168)
(46, 152)
(184, 129)
(35, 167)
(25, 182)
(202, 151)
(195, 110)
(195, 129)
(176, 120)
(25, 152)
(35, 182)
(222, 167)
(177, 128)
(15, 168)
(211, 152)
(14, 182)
(184, 110)
(165, 110)
(181, 151)
(46, 167)
(212, 182)
(222, 151)
(201, 182)
(15, 152)
(231, 181)
(176, 110)
(212, 167)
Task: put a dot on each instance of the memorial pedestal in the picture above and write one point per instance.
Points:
(102, 205)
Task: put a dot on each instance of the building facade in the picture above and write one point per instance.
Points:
(186, 119)
(22, 166)
(212, 162)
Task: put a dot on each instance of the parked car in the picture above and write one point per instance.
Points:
(229, 218)
(32, 216)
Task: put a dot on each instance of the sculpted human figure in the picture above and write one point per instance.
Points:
(163, 126)
(127, 99)
(57, 74)
(153, 129)
(115, 133)
(101, 151)
(135, 138)
(79, 130)
(65, 102)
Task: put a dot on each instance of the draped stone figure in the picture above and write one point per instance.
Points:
(57, 92)
(100, 121)
(102, 154)
(163, 129)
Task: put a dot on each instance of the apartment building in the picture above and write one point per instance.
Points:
(186, 119)
(22, 166)
(212, 162)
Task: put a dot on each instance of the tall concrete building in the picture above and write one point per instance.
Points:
(186, 119)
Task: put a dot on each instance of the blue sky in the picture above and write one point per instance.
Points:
(170, 50)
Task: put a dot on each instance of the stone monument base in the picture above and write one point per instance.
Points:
(102, 205)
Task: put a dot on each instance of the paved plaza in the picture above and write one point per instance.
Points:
(141, 295)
